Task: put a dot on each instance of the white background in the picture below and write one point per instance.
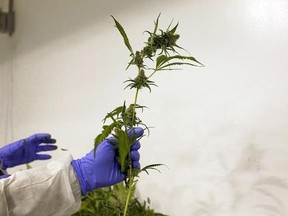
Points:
(222, 130)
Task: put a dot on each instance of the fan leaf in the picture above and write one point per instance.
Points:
(124, 144)
(163, 61)
(124, 35)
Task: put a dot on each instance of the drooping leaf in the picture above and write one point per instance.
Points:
(114, 113)
(191, 58)
(167, 66)
(160, 60)
(124, 35)
(107, 129)
(151, 167)
(163, 61)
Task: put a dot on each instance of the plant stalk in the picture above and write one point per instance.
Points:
(152, 74)
(131, 177)
(135, 100)
(134, 105)
(130, 185)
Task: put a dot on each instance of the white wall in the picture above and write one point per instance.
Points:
(6, 88)
(222, 130)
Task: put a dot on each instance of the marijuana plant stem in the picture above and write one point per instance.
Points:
(130, 174)
(130, 184)
(135, 103)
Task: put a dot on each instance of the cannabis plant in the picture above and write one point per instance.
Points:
(110, 201)
(162, 50)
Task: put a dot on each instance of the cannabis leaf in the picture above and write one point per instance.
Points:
(124, 35)
(163, 61)
(107, 129)
(124, 144)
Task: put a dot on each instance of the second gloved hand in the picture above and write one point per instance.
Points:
(26, 150)
(104, 170)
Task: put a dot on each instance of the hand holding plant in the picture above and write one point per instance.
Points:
(103, 170)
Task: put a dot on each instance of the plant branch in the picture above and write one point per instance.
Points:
(135, 101)
(155, 70)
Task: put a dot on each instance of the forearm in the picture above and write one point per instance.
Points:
(50, 190)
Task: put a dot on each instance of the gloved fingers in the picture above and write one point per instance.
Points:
(42, 157)
(111, 140)
(135, 132)
(136, 165)
(41, 138)
(136, 145)
(45, 148)
(135, 156)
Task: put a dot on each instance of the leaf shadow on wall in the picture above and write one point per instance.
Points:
(253, 190)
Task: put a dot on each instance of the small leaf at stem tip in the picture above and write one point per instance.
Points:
(174, 29)
(156, 24)
(114, 113)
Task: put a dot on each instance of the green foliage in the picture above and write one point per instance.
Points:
(163, 62)
(124, 143)
(161, 48)
(141, 81)
(107, 129)
(110, 201)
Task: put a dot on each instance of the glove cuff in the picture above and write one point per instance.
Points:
(4, 176)
(76, 166)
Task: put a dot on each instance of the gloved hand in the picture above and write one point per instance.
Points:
(26, 150)
(103, 169)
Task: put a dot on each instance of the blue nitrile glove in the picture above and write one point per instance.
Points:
(103, 169)
(4, 176)
(26, 150)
